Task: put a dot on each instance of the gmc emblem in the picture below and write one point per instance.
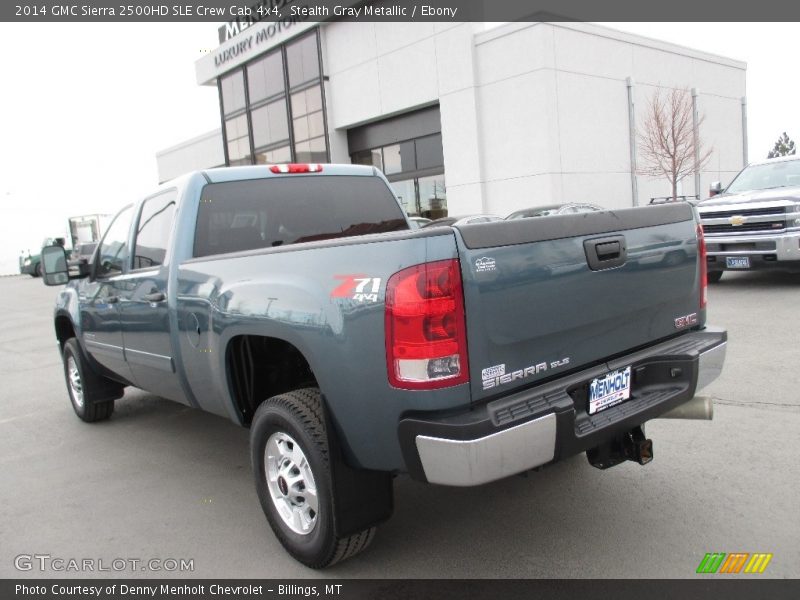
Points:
(687, 321)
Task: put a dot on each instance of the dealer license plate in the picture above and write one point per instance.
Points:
(737, 262)
(610, 390)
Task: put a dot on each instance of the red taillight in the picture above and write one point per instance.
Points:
(297, 168)
(426, 338)
(701, 250)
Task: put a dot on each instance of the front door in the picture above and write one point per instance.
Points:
(100, 297)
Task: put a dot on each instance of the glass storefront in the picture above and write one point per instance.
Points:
(415, 170)
(432, 196)
(273, 107)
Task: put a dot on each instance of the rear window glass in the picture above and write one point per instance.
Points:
(265, 213)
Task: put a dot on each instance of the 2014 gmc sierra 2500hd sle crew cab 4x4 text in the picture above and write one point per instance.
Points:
(296, 301)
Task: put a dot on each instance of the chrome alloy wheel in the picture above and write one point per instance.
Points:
(291, 483)
(75, 385)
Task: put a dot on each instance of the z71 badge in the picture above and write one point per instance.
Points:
(358, 288)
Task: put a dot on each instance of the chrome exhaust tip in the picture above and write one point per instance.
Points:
(699, 408)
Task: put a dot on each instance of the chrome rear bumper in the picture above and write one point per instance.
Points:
(458, 457)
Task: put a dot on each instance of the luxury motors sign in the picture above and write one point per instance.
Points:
(260, 27)
(271, 10)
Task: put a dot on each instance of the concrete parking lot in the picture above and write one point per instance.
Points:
(161, 481)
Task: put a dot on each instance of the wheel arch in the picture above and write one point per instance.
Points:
(259, 366)
(64, 329)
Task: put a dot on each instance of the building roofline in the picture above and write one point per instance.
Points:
(601, 30)
(190, 142)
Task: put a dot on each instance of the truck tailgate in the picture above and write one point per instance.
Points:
(545, 296)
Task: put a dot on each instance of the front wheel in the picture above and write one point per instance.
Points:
(292, 467)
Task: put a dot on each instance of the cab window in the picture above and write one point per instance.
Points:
(113, 253)
(153, 230)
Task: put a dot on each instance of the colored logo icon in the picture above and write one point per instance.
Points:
(734, 563)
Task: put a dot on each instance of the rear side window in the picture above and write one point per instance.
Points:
(265, 213)
(152, 232)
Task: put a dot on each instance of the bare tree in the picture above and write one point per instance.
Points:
(669, 140)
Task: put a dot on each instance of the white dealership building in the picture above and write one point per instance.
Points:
(463, 117)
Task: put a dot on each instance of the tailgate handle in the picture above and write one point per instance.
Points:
(605, 253)
(608, 250)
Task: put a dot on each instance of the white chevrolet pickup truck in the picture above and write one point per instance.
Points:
(754, 223)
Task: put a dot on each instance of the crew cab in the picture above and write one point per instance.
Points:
(754, 224)
(295, 300)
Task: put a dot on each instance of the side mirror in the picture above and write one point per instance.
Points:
(54, 265)
(714, 189)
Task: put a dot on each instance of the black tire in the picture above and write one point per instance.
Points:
(714, 276)
(297, 418)
(37, 270)
(92, 396)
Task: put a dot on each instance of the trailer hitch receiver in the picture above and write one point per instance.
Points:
(631, 445)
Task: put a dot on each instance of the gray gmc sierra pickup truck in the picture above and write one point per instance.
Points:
(295, 300)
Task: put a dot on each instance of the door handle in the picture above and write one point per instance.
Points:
(155, 297)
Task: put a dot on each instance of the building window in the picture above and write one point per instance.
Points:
(415, 170)
(432, 197)
(232, 93)
(302, 59)
(270, 126)
(281, 117)
(428, 152)
(238, 140)
(274, 157)
(308, 125)
(265, 78)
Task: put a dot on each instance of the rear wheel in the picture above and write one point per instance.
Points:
(91, 395)
(293, 474)
(714, 276)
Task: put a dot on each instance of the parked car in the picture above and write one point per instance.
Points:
(462, 220)
(294, 300)
(30, 264)
(552, 209)
(754, 224)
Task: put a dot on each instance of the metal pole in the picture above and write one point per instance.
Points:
(632, 143)
(479, 149)
(696, 140)
(744, 131)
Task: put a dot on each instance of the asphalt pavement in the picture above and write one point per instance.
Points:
(165, 482)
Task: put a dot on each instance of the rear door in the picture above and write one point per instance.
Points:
(144, 309)
(548, 295)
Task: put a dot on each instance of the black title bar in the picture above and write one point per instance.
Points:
(400, 10)
(701, 588)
